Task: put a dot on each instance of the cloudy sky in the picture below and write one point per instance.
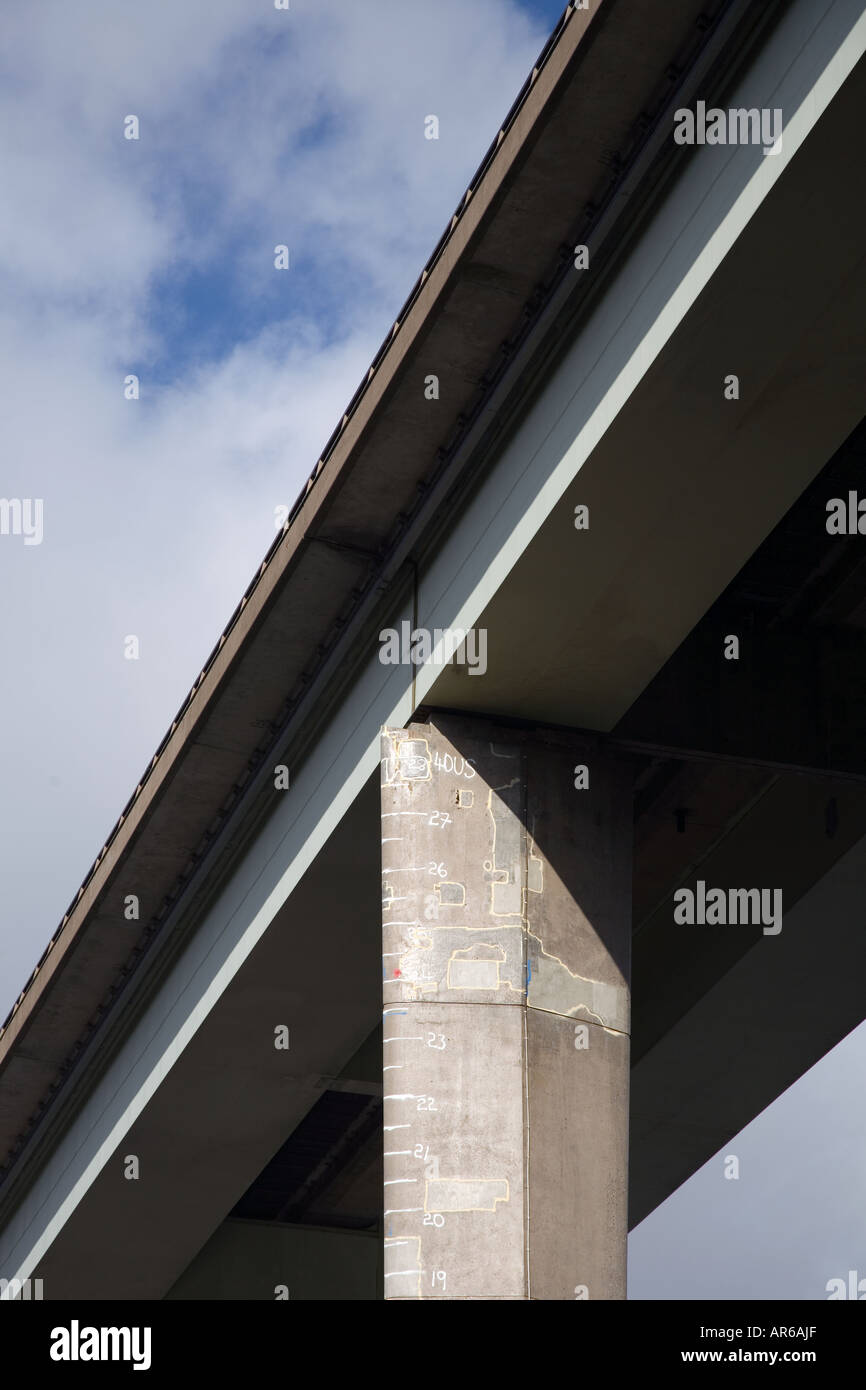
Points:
(155, 257)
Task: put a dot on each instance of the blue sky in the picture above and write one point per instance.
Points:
(209, 297)
(155, 257)
(199, 309)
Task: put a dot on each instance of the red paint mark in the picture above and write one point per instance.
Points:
(398, 972)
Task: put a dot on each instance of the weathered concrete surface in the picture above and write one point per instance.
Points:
(507, 920)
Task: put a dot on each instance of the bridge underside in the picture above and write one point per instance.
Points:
(262, 1168)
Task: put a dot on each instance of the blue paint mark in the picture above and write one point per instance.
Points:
(528, 972)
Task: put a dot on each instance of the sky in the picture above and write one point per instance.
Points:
(154, 258)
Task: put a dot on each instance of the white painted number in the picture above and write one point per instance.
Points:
(426, 1103)
(440, 819)
(438, 1277)
(439, 870)
(434, 1219)
(436, 1040)
(449, 762)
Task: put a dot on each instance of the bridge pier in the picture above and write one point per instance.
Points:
(506, 956)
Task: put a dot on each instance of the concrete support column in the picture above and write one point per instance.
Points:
(506, 942)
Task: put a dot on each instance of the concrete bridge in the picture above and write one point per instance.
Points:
(604, 438)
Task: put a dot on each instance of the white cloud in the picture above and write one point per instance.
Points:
(257, 126)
